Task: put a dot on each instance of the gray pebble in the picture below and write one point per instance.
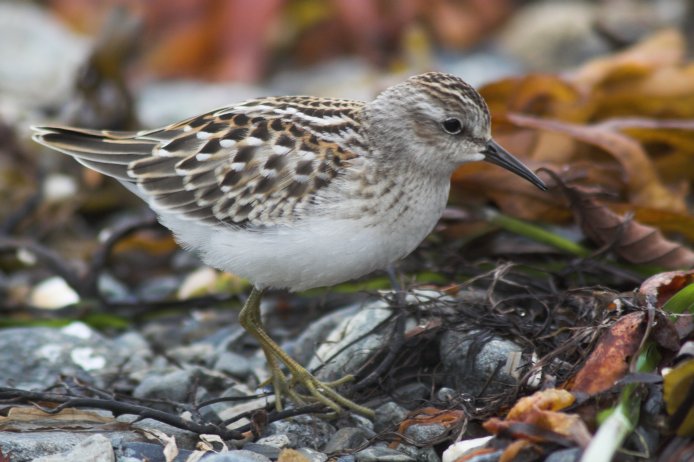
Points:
(565, 455)
(304, 347)
(149, 452)
(389, 416)
(278, 441)
(346, 348)
(425, 434)
(271, 452)
(233, 364)
(312, 455)
(382, 454)
(425, 454)
(489, 457)
(478, 364)
(240, 455)
(345, 439)
(46, 353)
(303, 431)
(96, 448)
(177, 384)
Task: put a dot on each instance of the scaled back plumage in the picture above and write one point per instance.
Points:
(247, 164)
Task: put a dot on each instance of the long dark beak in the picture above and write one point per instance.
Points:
(497, 155)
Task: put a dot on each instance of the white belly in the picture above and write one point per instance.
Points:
(315, 252)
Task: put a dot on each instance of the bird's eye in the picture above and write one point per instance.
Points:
(452, 126)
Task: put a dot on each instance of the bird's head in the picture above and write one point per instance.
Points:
(440, 122)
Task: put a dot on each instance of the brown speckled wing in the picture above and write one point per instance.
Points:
(249, 164)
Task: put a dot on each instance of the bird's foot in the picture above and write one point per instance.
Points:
(316, 391)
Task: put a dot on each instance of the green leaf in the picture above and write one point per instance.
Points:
(682, 301)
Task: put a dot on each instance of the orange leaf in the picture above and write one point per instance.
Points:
(514, 449)
(645, 187)
(552, 399)
(609, 361)
(539, 411)
(666, 48)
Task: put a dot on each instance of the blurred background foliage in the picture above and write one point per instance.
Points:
(600, 93)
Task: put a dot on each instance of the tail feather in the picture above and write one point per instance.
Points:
(109, 153)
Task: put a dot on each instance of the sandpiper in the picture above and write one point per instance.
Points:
(300, 192)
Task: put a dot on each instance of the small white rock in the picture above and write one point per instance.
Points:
(456, 450)
(86, 359)
(78, 329)
(53, 293)
(58, 187)
(197, 282)
(279, 441)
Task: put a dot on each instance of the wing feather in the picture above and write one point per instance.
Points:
(244, 165)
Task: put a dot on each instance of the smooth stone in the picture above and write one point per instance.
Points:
(490, 457)
(271, 452)
(276, 441)
(413, 393)
(456, 450)
(96, 448)
(346, 347)
(345, 439)
(351, 419)
(176, 385)
(565, 455)
(389, 416)
(53, 293)
(303, 431)
(27, 446)
(172, 386)
(382, 454)
(425, 434)
(304, 347)
(225, 410)
(149, 452)
(233, 364)
(239, 455)
(197, 353)
(47, 353)
(184, 438)
(425, 454)
(490, 370)
(312, 455)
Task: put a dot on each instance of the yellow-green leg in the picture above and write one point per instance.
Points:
(318, 391)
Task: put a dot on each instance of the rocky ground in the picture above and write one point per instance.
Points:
(117, 346)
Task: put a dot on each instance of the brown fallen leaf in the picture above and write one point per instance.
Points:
(663, 49)
(644, 185)
(671, 222)
(536, 418)
(25, 419)
(630, 240)
(645, 156)
(670, 143)
(513, 450)
(609, 361)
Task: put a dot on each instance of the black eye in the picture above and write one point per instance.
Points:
(452, 126)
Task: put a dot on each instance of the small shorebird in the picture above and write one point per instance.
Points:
(299, 192)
